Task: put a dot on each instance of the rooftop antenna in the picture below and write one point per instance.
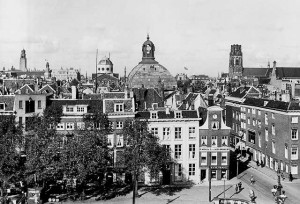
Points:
(109, 55)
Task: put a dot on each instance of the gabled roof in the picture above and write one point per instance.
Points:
(188, 101)
(28, 87)
(8, 100)
(257, 72)
(105, 95)
(164, 115)
(48, 87)
(287, 72)
(243, 91)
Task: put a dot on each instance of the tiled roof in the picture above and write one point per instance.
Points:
(257, 72)
(164, 115)
(240, 92)
(271, 104)
(187, 101)
(92, 104)
(9, 102)
(287, 72)
(106, 95)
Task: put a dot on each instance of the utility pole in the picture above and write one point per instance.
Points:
(209, 176)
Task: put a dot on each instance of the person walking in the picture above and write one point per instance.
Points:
(252, 180)
(240, 186)
(291, 177)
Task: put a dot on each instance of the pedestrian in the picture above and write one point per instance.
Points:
(282, 176)
(252, 180)
(236, 188)
(291, 177)
(240, 186)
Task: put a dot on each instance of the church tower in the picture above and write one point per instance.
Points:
(23, 61)
(148, 50)
(235, 61)
(47, 73)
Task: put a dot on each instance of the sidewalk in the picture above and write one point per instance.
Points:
(271, 173)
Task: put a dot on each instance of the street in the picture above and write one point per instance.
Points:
(199, 193)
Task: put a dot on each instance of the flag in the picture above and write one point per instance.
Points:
(185, 68)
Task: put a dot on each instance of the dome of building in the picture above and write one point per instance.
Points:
(149, 72)
(105, 66)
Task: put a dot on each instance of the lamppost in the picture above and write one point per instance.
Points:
(224, 179)
(276, 190)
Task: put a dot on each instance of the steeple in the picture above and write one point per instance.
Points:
(23, 61)
(235, 61)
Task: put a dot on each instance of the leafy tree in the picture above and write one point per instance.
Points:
(142, 151)
(10, 147)
(74, 82)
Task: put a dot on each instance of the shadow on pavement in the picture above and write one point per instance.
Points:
(166, 190)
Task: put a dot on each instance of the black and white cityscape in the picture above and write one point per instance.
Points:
(157, 102)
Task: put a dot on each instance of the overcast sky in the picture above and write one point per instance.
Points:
(187, 33)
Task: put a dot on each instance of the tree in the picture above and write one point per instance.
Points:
(142, 151)
(74, 82)
(10, 147)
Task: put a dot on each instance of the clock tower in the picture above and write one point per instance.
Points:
(235, 61)
(148, 49)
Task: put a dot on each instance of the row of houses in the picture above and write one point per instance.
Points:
(195, 134)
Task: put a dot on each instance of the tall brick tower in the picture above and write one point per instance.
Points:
(23, 61)
(235, 61)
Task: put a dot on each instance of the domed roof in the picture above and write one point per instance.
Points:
(148, 42)
(105, 61)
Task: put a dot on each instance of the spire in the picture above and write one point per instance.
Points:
(147, 36)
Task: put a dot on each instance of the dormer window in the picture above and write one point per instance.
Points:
(119, 107)
(2, 106)
(153, 115)
(215, 125)
(80, 109)
(69, 109)
(178, 115)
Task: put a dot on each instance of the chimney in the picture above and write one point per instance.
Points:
(74, 92)
(274, 64)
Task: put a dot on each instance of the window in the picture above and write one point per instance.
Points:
(273, 129)
(259, 124)
(253, 111)
(203, 140)
(119, 125)
(224, 174)
(178, 172)
(69, 109)
(192, 168)
(213, 141)
(286, 168)
(204, 158)
(266, 118)
(248, 121)
(224, 140)
(110, 139)
(271, 163)
(224, 158)
(251, 136)
(2, 105)
(233, 114)
(273, 116)
(20, 104)
(294, 119)
(253, 121)
(166, 133)
(192, 151)
(215, 125)
(213, 174)
(294, 134)
(177, 132)
(286, 151)
(119, 107)
(192, 132)
(60, 126)
(177, 114)
(273, 147)
(153, 114)
(294, 153)
(177, 151)
(266, 134)
(69, 126)
(259, 140)
(154, 130)
(39, 104)
(120, 141)
(29, 106)
(294, 169)
(258, 112)
(80, 109)
(248, 110)
(214, 158)
(80, 125)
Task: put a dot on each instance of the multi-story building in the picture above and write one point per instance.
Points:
(214, 146)
(66, 74)
(268, 132)
(177, 131)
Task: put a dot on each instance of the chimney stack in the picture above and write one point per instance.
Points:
(74, 92)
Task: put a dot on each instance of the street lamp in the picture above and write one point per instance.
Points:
(276, 190)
